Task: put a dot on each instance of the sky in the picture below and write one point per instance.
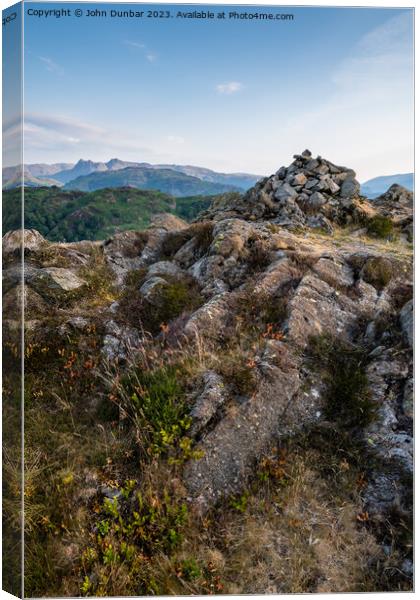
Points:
(230, 95)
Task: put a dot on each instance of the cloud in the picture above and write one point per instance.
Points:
(56, 136)
(175, 139)
(148, 54)
(50, 65)
(229, 88)
(367, 119)
(134, 44)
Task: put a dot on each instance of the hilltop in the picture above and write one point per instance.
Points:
(226, 405)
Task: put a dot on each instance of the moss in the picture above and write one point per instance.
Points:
(378, 271)
(380, 226)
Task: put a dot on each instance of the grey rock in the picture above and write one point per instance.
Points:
(165, 267)
(408, 399)
(61, 279)
(350, 187)
(316, 200)
(151, 287)
(407, 324)
(209, 400)
(285, 192)
(30, 239)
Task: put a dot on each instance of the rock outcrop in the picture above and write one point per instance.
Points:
(311, 192)
(259, 263)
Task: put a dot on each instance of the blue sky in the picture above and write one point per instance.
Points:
(228, 95)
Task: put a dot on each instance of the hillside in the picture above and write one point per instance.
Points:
(218, 407)
(378, 185)
(61, 215)
(244, 181)
(165, 180)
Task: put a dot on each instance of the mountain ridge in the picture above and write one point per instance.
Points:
(165, 180)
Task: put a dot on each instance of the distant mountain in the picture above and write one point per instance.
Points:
(243, 181)
(35, 175)
(44, 170)
(62, 173)
(147, 178)
(73, 215)
(82, 167)
(378, 185)
(30, 180)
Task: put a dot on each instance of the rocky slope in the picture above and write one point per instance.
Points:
(294, 305)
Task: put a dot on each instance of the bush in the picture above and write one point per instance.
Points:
(381, 227)
(378, 271)
(348, 401)
(168, 303)
(130, 533)
(203, 234)
(173, 241)
(157, 404)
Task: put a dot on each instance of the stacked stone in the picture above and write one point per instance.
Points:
(311, 191)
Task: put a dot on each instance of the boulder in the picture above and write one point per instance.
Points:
(30, 239)
(350, 187)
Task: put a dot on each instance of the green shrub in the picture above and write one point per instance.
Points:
(156, 400)
(189, 569)
(173, 299)
(348, 401)
(142, 525)
(381, 227)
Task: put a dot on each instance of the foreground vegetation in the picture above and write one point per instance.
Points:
(107, 512)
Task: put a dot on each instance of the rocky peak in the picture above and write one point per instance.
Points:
(311, 191)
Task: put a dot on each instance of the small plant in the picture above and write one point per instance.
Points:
(238, 372)
(259, 256)
(157, 403)
(381, 227)
(189, 569)
(240, 503)
(348, 401)
(378, 271)
(203, 234)
(169, 302)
